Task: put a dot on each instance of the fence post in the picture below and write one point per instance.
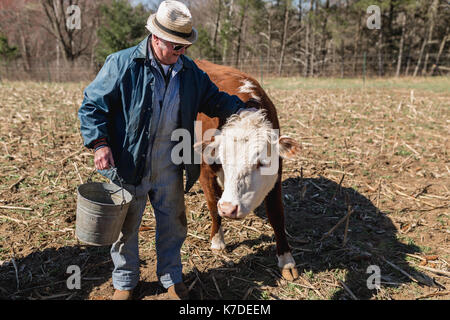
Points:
(48, 72)
(364, 69)
(261, 68)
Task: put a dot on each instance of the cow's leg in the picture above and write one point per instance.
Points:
(212, 192)
(275, 213)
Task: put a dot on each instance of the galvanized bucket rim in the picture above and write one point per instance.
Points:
(128, 194)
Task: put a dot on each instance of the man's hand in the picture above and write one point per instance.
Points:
(253, 104)
(103, 158)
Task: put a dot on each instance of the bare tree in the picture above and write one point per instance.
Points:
(307, 40)
(288, 4)
(244, 7)
(428, 37)
(268, 35)
(400, 51)
(217, 25)
(73, 41)
(323, 47)
(441, 49)
(228, 33)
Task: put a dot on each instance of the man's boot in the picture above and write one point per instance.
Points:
(178, 292)
(122, 294)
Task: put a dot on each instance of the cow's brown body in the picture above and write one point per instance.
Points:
(230, 80)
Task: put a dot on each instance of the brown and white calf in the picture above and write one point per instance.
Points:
(237, 172)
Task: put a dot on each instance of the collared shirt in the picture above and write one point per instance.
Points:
(165, 118)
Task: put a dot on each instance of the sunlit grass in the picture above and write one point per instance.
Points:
(435, 84)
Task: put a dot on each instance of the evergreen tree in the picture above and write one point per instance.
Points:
(7, 53)
(203, 48)
(122, 26)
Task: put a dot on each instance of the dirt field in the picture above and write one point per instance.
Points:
(371, 188)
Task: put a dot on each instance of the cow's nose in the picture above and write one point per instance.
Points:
(227, 209)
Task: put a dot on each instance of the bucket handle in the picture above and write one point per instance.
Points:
(116, 175)
(114, 169)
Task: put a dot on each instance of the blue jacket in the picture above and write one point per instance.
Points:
(117, 106)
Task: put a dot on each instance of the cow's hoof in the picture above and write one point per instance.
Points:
(286, 263)
(289, 274)
(218, 247)
(217, 241)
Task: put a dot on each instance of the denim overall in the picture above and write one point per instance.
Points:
(163, 185)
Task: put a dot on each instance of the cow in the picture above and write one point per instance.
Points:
(234, 187)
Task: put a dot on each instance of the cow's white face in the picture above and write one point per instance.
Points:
(245, 184)
(249, 150)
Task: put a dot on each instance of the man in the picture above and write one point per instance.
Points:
(128, 114)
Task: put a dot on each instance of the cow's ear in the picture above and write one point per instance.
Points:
(208, 149)
(289, 148)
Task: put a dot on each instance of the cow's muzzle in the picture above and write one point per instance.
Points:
(227, 210)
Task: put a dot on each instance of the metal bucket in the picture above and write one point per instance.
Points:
(101, 211)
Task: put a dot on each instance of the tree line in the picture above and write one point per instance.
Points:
(69, 39)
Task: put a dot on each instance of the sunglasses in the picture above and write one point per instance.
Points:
(179, 47)
(174, 46)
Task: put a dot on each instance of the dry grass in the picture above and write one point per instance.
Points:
(375, 160)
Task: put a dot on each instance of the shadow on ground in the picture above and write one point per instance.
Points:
(47, 274)
(312, 208)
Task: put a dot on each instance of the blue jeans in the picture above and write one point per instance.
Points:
(166, 195)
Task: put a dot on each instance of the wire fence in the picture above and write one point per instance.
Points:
(349, 66)
(47, 72)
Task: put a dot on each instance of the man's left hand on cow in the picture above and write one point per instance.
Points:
(251, 105)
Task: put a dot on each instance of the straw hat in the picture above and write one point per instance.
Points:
(172, 22)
